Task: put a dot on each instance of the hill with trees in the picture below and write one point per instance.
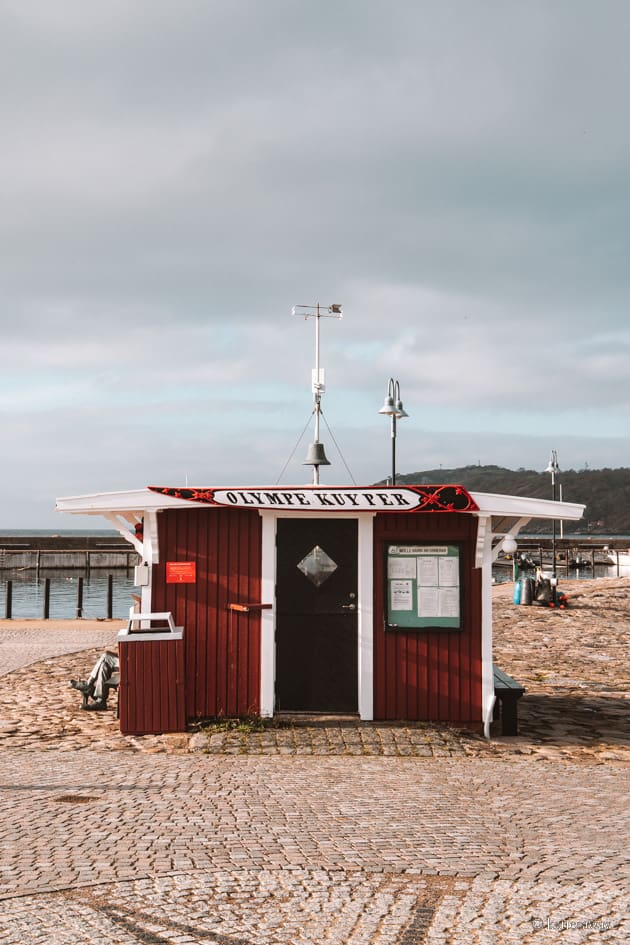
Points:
(605, 492)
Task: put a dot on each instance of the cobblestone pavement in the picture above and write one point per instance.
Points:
(573, 664)
(25, 642)
(331, 833)
(161, 848)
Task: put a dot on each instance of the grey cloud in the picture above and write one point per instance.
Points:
(175, 176)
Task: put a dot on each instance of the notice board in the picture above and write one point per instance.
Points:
(423, 587)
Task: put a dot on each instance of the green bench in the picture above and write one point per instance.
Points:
(507, 693)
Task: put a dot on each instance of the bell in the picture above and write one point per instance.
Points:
(316, 455)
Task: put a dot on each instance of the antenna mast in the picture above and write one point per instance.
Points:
(316, 456)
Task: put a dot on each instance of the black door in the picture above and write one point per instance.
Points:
(316, 622)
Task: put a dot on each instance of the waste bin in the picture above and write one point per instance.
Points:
(527, 591)
(151, 696)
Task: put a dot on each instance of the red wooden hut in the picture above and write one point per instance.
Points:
(370, 601)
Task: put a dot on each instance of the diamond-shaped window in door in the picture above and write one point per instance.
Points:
(317, 566)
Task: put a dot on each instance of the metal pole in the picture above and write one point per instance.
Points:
(316, 393)
(553, 541)
(316, 385)
(9, 601)
(393, 449)
(110, 596)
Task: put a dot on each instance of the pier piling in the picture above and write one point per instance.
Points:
(8, 604)
(80, 597)
(46, 598)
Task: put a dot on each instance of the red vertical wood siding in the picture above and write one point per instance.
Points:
(222, 647)
(419, 674)
(151, 696)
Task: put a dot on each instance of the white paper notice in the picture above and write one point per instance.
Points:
(449, 572)
(428, 601)
(428, 572)
(449, 602)
(401, 568)
(401, 597)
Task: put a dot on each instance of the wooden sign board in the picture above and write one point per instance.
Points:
(181, 572)
(425, 498)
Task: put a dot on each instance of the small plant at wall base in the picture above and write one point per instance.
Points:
(243, 725)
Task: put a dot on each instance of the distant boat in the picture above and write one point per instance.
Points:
(525, 563)
(580, 562)
(621, 557)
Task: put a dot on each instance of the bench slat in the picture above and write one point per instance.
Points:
(503, 681)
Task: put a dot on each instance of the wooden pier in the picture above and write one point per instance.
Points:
(83, 552)
(575, 553)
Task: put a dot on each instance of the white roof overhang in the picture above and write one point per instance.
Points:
(125, 509)
(135, 500)
(516, 506)
(503, 516)
(144, 500)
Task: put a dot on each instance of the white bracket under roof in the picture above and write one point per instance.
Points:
(121, 523)
(512, 533)
(125, 524)
(485, 534)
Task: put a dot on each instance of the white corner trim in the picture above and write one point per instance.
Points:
(365, 617)
(150, 542)
(487, 676)
(488, 713)
(483, 521)
(268, 617)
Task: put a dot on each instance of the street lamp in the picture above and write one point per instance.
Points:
(554, 469)
(393, 408)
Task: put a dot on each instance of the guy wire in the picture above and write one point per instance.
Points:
(338, 448)
(295, 447)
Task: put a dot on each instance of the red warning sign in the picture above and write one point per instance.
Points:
(181, 572)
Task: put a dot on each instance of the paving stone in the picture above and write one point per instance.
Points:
(316, 833)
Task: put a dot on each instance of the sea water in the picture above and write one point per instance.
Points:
(28, 584)
(28, 588)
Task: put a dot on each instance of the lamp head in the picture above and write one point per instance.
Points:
(552, 466)
(388, 407)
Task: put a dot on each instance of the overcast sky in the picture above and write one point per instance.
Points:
(174, 176)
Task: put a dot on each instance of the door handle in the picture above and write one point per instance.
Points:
(348, 606)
